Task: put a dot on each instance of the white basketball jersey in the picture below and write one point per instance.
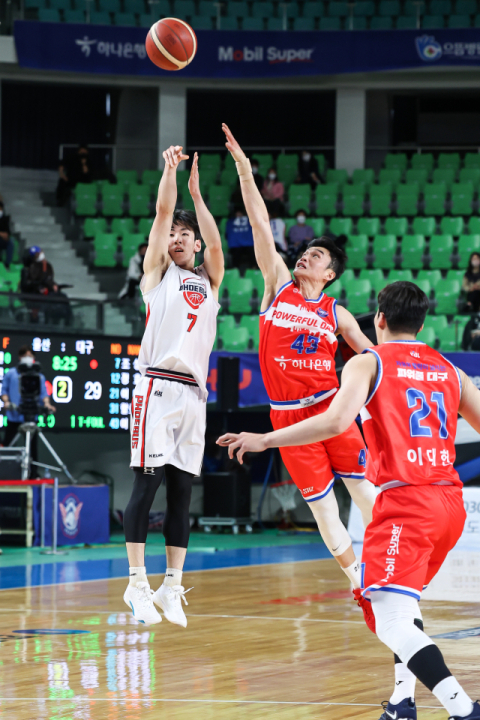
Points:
(181, 324)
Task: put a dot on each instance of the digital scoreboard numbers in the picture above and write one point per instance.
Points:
(89, 380)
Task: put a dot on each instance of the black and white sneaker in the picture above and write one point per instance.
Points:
(474, 715)
(406, 710)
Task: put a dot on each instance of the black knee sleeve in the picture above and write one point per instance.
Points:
(135, 519)
(429, 666)
(176, 524)
(419, 624)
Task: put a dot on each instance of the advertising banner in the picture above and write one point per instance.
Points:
(83, 515)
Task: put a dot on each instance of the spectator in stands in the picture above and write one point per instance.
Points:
(299, 236)
(72, 171)
(471, 334)
(471, 283)
(237, 198)
(239, 235)
(134, 273)
(278, 232)
(273, 192)
(37, 274)
(308, 171)
(259, 179)
(6, 240)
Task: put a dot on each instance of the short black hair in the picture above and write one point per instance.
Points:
(404, 305)
(338, 257)
(24, 349)
(470, 266)
(301, 211)
(142, 245)
(187, 219)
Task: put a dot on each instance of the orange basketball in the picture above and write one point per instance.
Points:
(171, 44)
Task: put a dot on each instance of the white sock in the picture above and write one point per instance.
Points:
(173, 577)
(404, 684)
(353, 573)
(453, 697)
(137, 574)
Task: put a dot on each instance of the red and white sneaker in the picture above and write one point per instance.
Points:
(366, 606)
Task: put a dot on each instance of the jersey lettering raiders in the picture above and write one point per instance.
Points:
(298, 345)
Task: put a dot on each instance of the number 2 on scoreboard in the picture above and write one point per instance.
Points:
(193, 318)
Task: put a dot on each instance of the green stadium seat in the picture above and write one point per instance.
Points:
(458, 21)
(330, 23)
(202, 22)
(390, 175)
(146, 21)
(139, 200)
(219, 199)
(381, 23)
(405, 22)
(265, 162)
(207, 178)
(356, 249)
(252, 325)
(356, 23)
(446, 295)
(341, 226)
(325, 199)
(433, 22)
(235, 340)
(376, 278)
(466, 245)
(440, 250)
(105, 249)
(451, 226)
(240, 295)
(287, 165)
(348, 275)
(112, 200)
(231, 276)
(384, 250)
(440, 7)
(304, 24)
(60, 4)
(336, 289)
(129, 245)
(358, 294)
(462, 198)
(125, 20)
(111, 6)
(100, 18)
(396, 161)
(450, 339)
(380, 200)
(152, 178)
(48, 15)
(183, 177)
(427, 335)
(424, 285)
(337, 8)
(407, 199)
(92, 226)
(207, 8)
(364, 8)
(417, 176)
(400, 275)
(424, 226)
(257, 279)
(252, 23)
(290, 222)
(134, 6)
(422, 160)
(299, 198)
(437, 323)
(472, 160)
(413, 250)
(85, 199)
(459, 321)
(322, 163)
(310, 9)
(433, 277)
(225, 321)
(449, 160)
(122, 226)
(229, 177)
(74, 16)
(363, 177)
(183, 9)
(474, 225)
(397, 226)
(144, 226)
(337, 176)
(470, 175)
(456, 275)
(368, 226)
(210, 161)
(263, 9)
(434, 195)
(353, 198)
(389, 8)
(318, 225)
(466, 7)
(444, 175)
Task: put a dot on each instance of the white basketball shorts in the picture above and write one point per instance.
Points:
(168, 425)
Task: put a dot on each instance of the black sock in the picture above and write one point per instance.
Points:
(429, 666)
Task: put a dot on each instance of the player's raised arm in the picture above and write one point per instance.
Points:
(469, 402)
(273, 268)
(213, 258)
(358, 379)
(349, 329)
(157, 258)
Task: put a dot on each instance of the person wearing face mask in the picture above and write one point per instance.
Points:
(72, 171)
(11, 400)
(6, 241)
(308, 171)
(37, 274)
(134, 273)
(273, 192)
(299, 236)
(471, 283)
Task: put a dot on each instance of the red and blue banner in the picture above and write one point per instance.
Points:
(83, 515)
(242, 54)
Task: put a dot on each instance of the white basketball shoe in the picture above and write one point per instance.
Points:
(139, 598)
(169, 599)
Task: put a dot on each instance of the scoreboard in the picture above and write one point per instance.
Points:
(90, 380)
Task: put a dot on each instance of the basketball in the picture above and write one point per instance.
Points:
(171, 44)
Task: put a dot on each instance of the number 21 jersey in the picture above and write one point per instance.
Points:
(410, 418)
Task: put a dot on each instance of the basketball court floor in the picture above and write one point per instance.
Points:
(272, 632)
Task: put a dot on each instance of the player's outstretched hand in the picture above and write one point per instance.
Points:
(243, 442)
(174, 156)
(232, 145)
(194, 180)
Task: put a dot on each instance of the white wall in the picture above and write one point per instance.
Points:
(350, 128)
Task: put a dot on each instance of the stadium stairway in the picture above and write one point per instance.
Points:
(22, 191)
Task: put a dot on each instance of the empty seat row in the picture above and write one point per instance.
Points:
(397, 226)
(237, 337)
(396, 176)
(107, 252)
(428, 161)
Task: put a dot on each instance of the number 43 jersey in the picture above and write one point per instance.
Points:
(181, 324)
(410, 418)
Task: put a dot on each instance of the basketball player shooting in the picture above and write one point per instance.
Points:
(169, 401)
(298, 341)
(408, 396)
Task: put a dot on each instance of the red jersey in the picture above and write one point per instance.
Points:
(297, 347)
(410, 418)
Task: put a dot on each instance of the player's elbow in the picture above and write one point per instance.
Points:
(338, 424)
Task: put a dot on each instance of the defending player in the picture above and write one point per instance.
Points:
(297, 357)
(409, 397)
(169, 401)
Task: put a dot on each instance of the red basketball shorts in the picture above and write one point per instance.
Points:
(313, 467)
(412, 530)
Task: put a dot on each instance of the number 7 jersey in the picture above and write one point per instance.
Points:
(410, 418)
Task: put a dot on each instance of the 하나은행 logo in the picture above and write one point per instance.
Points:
(428, 48)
